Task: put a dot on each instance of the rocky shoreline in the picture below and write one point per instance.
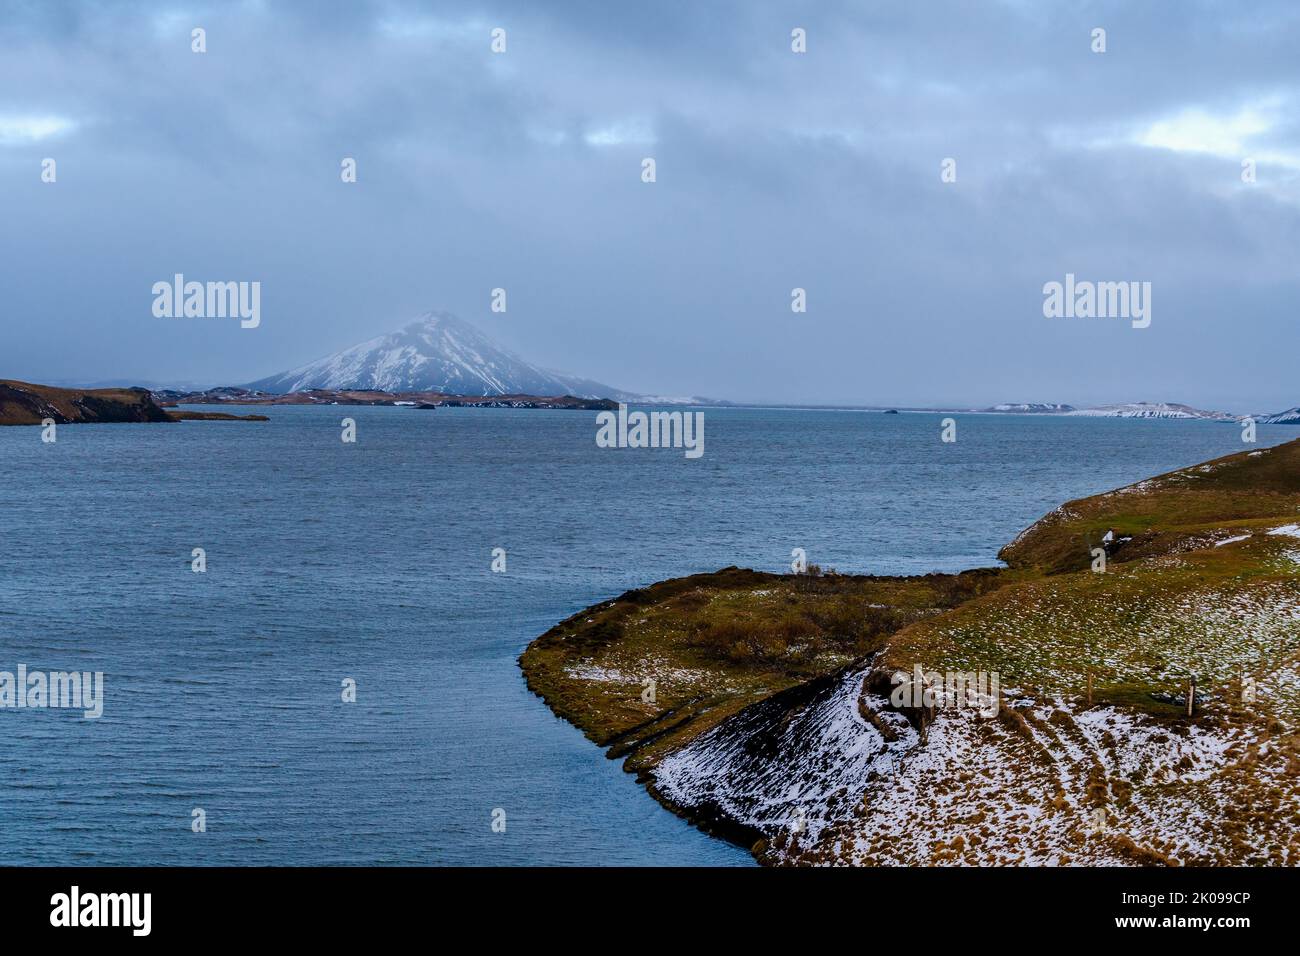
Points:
(22, 403)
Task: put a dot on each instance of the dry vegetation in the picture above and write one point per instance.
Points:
(713, 643)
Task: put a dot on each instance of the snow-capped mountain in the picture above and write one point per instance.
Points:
(1151, 410)
(1289, 417)
(438, 352)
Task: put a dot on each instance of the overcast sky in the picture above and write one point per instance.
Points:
(775, 170)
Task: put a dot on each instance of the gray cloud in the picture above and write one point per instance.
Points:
(775, 171)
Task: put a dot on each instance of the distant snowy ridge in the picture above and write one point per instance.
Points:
(437, 352)
(1028, 408)
(1151, 410)
(1289, 417)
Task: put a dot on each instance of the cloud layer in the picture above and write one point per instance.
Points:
(775, 170)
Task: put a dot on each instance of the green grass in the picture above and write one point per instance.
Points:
(1140, 628)
(1248, 489)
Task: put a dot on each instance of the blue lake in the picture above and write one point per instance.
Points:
(372, 561)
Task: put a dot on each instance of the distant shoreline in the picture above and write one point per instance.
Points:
(418, 400)
(22, 403)
(164, 398)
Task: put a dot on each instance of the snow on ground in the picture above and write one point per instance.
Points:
(1052, 784)
(660, 671)
(802, 769)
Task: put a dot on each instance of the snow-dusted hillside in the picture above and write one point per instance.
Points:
(1027, 408)
(821, 784)
(1289, 417)
(1151, 410)
(437, 352)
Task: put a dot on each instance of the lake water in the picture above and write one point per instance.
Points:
(372, 561)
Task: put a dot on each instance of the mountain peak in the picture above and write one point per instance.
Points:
(435, 352)
(438, 319)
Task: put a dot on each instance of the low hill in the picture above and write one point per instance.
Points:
(1150, 410)
(22, 403)
(1181, 510)
(1289, 417)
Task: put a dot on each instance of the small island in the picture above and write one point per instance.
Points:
(1145, 644)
